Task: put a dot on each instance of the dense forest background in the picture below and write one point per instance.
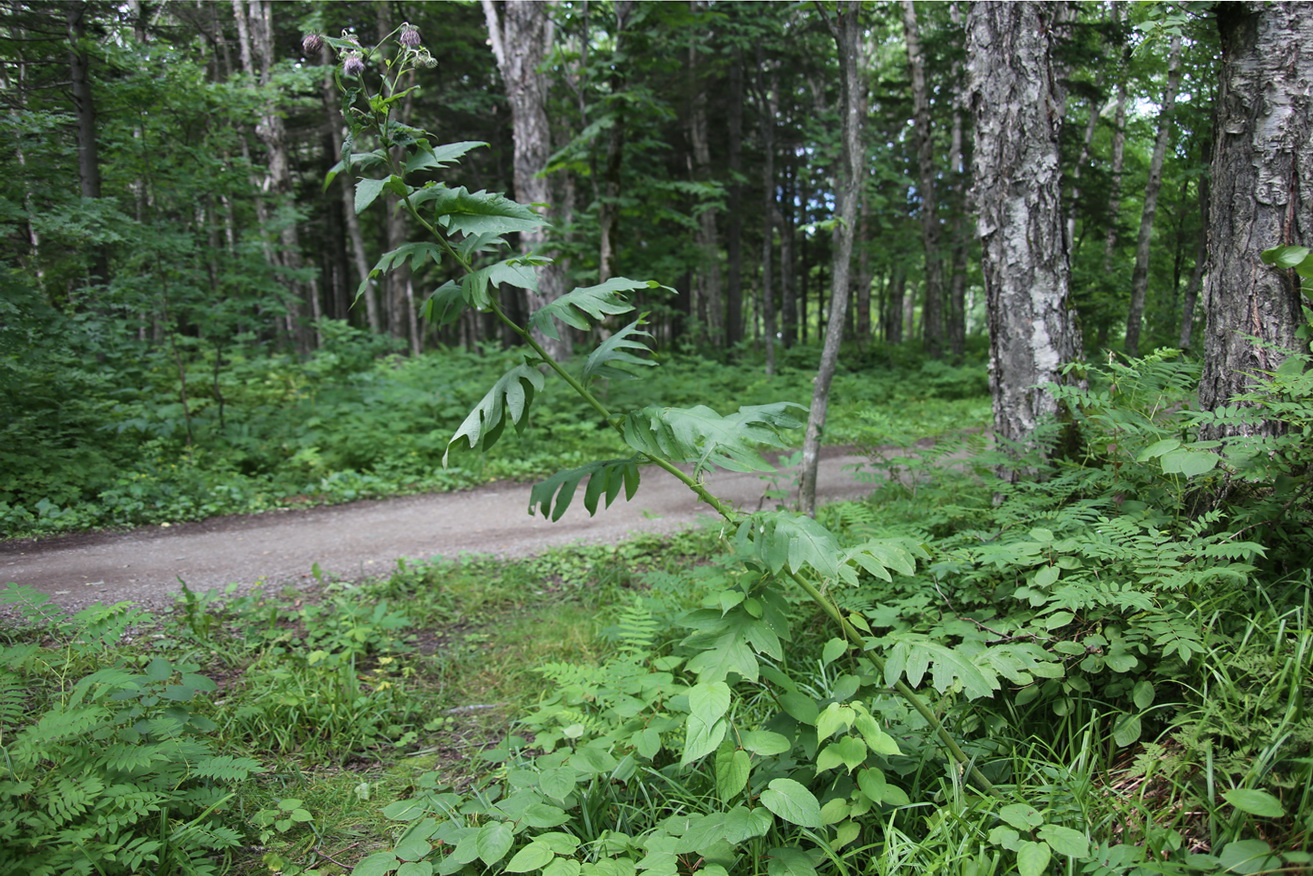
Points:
(167, 224)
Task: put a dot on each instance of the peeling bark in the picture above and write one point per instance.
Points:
(1262, 195)
(1016, 100)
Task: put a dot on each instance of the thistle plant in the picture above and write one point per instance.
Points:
(466, 234)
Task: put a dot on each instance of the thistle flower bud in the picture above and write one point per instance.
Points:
(311, 43)
(409, 36)
(353, 64)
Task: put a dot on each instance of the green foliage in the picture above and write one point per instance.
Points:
(113, 772)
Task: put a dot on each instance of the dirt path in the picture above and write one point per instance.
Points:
(364, 539)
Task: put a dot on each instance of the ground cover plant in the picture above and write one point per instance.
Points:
(354, 421)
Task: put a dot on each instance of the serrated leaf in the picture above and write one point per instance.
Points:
(605, 478)
(511, 396)
(1033, 858)
(1255, 802)
(785, 539)
(461, 211)
(475, 286)
(791, 801)
(424, 157)
(615, 359)
(703, 437)
(583, 307)
(367, 191)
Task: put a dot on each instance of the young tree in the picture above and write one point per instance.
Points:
(1015, 98)
(846, 28)
(933, 314)
(1262, 193)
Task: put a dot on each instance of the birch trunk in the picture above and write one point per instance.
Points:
(1016, 101)
(1261, 196)
(521, 38)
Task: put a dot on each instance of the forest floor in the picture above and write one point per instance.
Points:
(365, 539)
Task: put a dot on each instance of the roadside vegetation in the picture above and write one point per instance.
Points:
(1123, 646)
(108, 446)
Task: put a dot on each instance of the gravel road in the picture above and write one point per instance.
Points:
(364, 539)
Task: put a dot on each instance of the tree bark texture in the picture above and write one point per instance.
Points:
(847, 35)
(1262, 194)
(1015, 99)
(734, 234)
(767, 97)
(1154, 185)
(706, 291)
(932, 316)
(521, 37)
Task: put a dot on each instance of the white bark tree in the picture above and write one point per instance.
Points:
(1016, 101)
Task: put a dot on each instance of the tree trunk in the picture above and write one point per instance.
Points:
(1261, 196)
(521, 40)
(1140, 275)
(847, 33)
(734, 233)
(766, 92)
(955, 324)
(932, 315)
(355, 237)
(706, 289)
(1015, 98)
(891, 316)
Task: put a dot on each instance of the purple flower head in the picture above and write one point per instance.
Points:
(311, 43)
(409, 36)
(353, 64)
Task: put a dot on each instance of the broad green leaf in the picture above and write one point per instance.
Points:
(789, 862)
(605, 478)
(494, 841)
(729, 655)
(873, 784)
(1127, 730)
(1255, 802)
(1022, 816)
(377, 865)
(1248, 856)
(534, 856)
(1033, 858)
(461, 211)
(847, 751)
(558, 783)
(415, 868)
(786, 539)
(563, 867)
(1142, 694)
(445, 155)
(834, 718)
(833, 650)
(582, 308)
(700, 436)
(948, 666)
(615, 359)
(476, 286)
(445, 305)
(792, 801)
(1189, 463)
(1064, 840)
(1285, 256)
(733, 767)
(742, 824)
(704, 728)
(559, 842)
(764, 743)
(542, 815)
(1158, 448)
(367, 191)
(510, 397)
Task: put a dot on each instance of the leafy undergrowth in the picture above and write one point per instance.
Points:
(355, 421)
(1124, 656)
